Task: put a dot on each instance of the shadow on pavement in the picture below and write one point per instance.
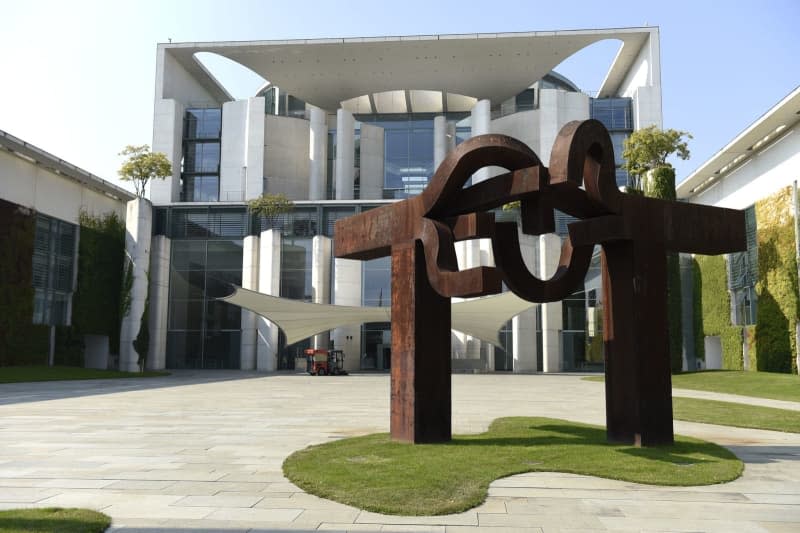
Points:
(39, 391)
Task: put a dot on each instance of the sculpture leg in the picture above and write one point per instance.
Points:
(420, 401)
(638, 376)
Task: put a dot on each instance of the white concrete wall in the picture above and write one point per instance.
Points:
(159, 301)
(371, 162)
(31, 185)
(286, 162)
(138, 225)
(523, 126)
(345, 155)
(481, 120)
(321, 247)
(233, 147)
(173, 81)
(168, 138)
(643, 84)
(765, 173)
(317, 153)
(269, 282)
(523, 326)
(250, 274)
(347, 291)
(242, 150)
(556, 108)
(552, 319)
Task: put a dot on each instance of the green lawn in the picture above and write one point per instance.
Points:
(52, 520)
(757, 384)
(735, 414)
(379, 475)
(18, 374)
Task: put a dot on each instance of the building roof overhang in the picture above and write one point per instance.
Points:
(494, 66)
(770, 126)
(54, 164)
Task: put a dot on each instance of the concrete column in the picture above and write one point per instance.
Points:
(250, 275)
(552, 319)
(372, 147)
(159, 301)
(523, 326)
(168, 138)
(347, 291)
(439, 140)
(345, 154)
(321, 279)
(138, 226)
(481, 123)
(254, 156)
(269, 282)
(233, 147)
(317, 152)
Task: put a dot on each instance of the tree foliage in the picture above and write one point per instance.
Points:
(270, 206)
(648, 148)
(142, 166)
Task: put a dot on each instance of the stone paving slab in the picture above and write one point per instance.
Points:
(202, 451)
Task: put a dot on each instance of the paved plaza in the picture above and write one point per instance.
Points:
(203, 451)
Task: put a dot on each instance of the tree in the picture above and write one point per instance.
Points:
(270, 206)
(648, 148)
(142, 165)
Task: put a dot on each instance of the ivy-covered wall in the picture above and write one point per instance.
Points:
(101, 252)
(778, 305)
(21, 342)
(712, 310)
(771, 343)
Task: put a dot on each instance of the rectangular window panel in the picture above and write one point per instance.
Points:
(225, 255)
(189, 255)
(186, 315)
(184, 349)
(186, 284)
(222, 316)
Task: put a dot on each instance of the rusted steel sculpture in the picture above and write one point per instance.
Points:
(635, 233)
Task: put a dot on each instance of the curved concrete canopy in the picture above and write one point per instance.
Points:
(326, 72)
(481, 318)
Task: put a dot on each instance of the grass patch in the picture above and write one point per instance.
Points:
(756, 384)
(53, 519)
(21, 374)
(379, 475)
(735, 414)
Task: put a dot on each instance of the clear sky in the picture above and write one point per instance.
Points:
(77, 77)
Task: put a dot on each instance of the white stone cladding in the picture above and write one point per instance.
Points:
(269, 282)
(347, 291)
(321, 247)
(250, 278)
(345, 154)
(159, 300)
(371, 176)
(138, 225)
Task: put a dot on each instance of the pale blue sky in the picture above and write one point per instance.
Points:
(77, 77)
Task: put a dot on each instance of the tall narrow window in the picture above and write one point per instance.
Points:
(202, 131)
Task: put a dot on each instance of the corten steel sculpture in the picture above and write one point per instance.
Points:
(635, 233)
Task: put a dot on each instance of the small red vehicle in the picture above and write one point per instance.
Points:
(325, 362)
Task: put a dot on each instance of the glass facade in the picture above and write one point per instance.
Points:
(206, 248)
(408, 149)
(202, 131)
(742, 270)
(54, 255)
(616, 114)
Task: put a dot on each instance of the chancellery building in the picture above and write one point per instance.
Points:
(340, 127)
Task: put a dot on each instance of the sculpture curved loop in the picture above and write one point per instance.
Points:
(583, 155)
(572, 267)
(442, 266)
(469, 157)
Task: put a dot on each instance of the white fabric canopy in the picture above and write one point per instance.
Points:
(481, 318)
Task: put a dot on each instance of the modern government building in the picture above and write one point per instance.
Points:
(343, 126)
(346, 125)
